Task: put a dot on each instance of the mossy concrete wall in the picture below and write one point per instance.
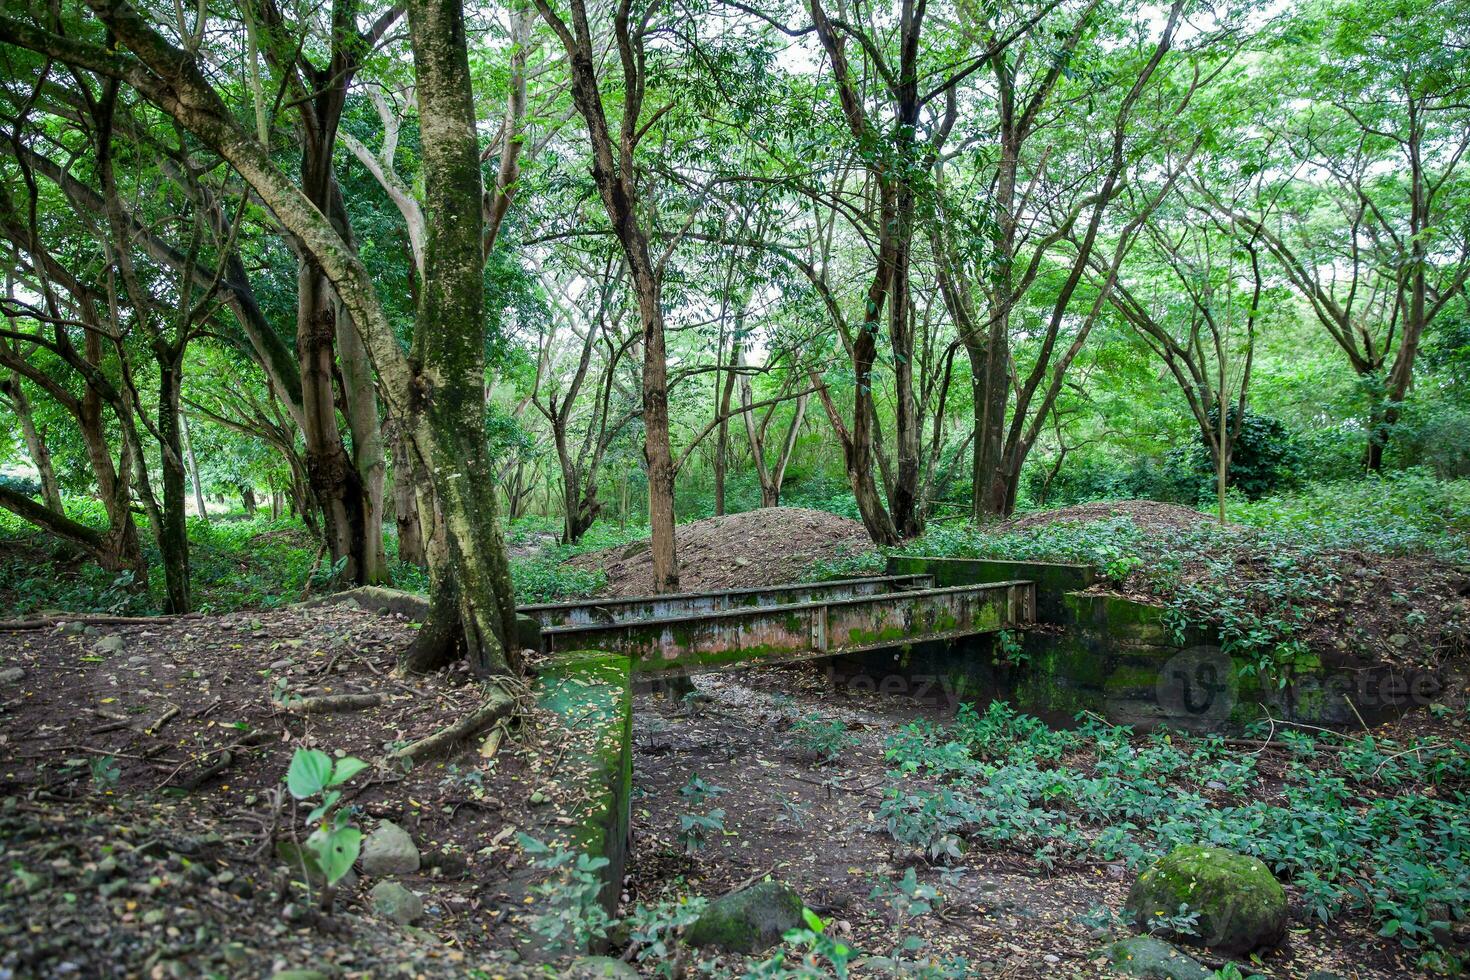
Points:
(1117, 658)
(1053, 580)
(802, 631)
(592, 692)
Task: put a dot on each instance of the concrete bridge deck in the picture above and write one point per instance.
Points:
(674, 635)
(588, 612)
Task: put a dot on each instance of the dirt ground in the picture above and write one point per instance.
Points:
(813, 825)
(772, 546)
(142, 776)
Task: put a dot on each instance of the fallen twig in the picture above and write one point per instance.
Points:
(47, 622)
(334, 702)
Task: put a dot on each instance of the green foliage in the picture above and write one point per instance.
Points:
(1004, 781)
(696, 829)
(1261, 459)
(570, 893)
(814, 953)
(334, 842)
(824, 738)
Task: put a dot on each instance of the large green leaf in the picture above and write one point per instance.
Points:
(309, 774)
(345, 769)
(336, 850)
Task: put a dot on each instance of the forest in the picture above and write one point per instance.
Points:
(735, 488)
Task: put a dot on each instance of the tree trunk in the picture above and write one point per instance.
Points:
(406, 505)
(173, 534)
(360, 405)
(722, 412)
(472, 601)
(36, 446)
(247, 500)
(193, 468)
(333, 478)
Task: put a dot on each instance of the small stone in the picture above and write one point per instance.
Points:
(12, 675)
(392, 901)
(299, 975)
(389, 850)
(1399, 641)
(110, 644)
(23, 882)
(154, 917)
(1154, 959)
(593, 967)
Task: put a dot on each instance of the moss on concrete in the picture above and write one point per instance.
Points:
(593, 690)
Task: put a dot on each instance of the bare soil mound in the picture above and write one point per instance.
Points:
(770, 546)
(1148, 515)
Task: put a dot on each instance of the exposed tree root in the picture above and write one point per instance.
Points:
(498, 704)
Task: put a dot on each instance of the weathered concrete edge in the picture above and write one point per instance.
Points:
(1053, 579)
(592, 690)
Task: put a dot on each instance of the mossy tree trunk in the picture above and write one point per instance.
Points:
(473, 602)
(440, 390)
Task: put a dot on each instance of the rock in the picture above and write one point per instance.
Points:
(1399, 640)
(1145, 956)
(748, 921)
(1324, 975)
(12, 675)
(392, 901)
(389, 851)
(592, 967)
(23, 882)
(71, 628)
(110, 644)
(1240, 904)
(300, 975)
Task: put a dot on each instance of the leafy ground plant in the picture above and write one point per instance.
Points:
(1359, 825)
(823, 738)
(334, 843)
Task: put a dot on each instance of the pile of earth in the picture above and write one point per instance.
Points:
(770, 546)
(1148, 515)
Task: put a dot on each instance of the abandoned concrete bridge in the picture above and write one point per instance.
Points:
(688, 633)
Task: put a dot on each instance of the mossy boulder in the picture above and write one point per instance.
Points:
(1153, 959)
(1240, 904)
(749, 920)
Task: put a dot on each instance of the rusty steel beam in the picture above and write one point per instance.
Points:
(803, 631)
(604, 612)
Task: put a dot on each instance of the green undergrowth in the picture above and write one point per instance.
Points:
(1360, 825)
